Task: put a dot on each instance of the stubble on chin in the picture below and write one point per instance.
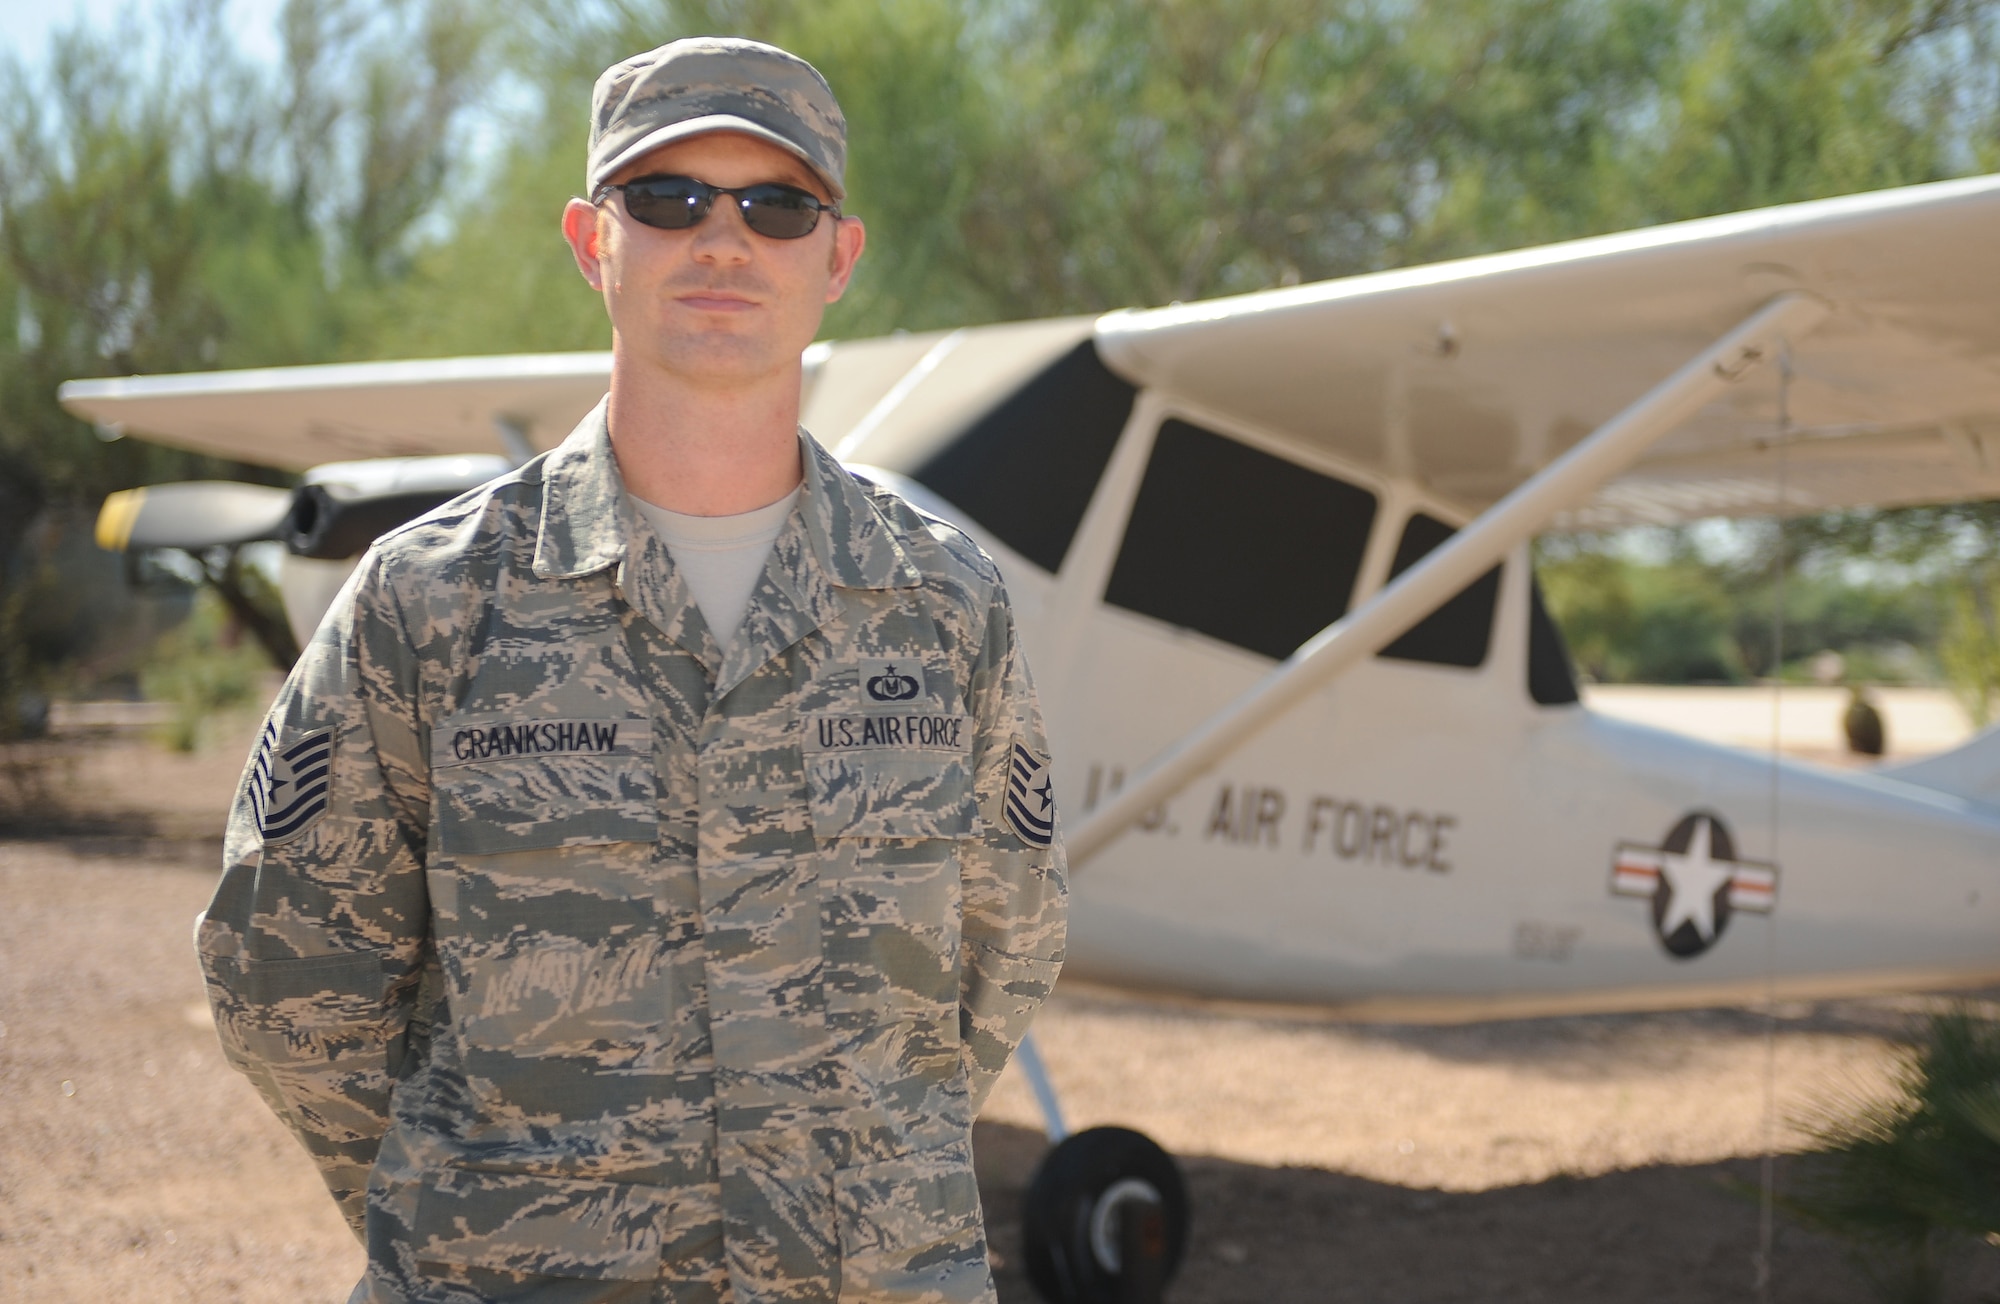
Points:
(716, 356)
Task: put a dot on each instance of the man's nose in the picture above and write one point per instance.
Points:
(723, 236)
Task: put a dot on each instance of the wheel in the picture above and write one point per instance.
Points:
(1072, 1216)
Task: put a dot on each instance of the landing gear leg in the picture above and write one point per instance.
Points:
(1029, 1057)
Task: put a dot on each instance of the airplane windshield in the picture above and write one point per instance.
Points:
(1551, 681)
(1026, 470)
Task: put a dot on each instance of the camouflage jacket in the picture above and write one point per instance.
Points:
(573, 948)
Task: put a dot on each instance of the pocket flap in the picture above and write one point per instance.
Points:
(910, 1228)
(891, 795)
(530, 785)
(553, 1227)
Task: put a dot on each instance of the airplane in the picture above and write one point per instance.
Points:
(1319, 740)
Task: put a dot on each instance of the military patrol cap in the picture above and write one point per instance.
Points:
(716, 83)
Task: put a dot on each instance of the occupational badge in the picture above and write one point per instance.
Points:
(883, 680)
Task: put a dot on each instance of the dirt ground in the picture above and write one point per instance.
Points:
(1604, 1158)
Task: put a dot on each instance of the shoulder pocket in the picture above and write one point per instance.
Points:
(522, 785)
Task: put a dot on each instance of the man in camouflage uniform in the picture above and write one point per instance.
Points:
(593, 954)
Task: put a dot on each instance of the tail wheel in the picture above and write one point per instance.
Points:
(1099, 1198)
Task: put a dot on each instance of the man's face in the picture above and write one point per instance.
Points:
(715, 305)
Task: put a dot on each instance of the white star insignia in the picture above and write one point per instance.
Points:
(1693, 877)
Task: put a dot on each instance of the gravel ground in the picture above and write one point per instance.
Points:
(1462, 1108)
(1601, 1158)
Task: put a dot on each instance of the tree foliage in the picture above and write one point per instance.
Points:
(1689, 617)
(167, 206)
(1056, 156)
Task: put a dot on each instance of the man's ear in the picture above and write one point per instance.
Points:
(849, 237)
(579, 227)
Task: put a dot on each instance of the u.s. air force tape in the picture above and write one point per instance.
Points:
(289, 782)
(843, 731)
(1030, 808)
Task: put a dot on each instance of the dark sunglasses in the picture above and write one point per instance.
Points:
(677, 203)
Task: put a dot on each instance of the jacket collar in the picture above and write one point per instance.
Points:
(583, 504)
(835, 539)
(848, 534)
(586, 524)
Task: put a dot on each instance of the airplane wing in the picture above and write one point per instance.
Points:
(299, 417)
(1472, 375)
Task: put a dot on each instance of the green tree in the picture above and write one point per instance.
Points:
(1575, 119)
(1969, 650)
(1589, 594)
(166, 206)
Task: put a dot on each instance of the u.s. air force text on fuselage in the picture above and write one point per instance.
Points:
(1259, 815)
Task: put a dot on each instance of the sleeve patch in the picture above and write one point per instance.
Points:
(288, 786)
(1030, 808)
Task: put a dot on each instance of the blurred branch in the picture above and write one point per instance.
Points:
(251, 601)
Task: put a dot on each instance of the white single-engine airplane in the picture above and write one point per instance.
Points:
(1318, 739)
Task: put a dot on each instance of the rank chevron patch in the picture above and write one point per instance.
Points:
(289, 788)
(1030, 808)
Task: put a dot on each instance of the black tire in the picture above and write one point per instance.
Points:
(1064, 1196)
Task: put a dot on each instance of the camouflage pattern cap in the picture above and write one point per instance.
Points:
(716, 83)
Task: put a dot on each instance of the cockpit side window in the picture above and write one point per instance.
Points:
(1460, 631)
(1551, 682)
(1026, 470)
(1239, 544)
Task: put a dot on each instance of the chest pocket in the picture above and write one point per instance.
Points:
(906, 775)
(544, 906)
(523, 785)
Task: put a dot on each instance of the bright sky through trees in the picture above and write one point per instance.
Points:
(27, 25)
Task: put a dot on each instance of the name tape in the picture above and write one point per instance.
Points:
(457, 744)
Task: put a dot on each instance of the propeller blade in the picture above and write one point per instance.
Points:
(195, 514)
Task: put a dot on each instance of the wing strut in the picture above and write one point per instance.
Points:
(514, 438)
(1468, 554)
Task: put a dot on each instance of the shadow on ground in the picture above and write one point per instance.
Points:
(1579, 1047)
(1661, 1235)
(109, 790)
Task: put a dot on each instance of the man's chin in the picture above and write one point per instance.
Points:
(722, 360)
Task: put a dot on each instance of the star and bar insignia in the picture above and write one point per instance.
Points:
(1030, 808)
(288, 788)
(1694, 881)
